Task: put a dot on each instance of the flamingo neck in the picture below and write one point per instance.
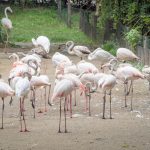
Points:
(6, 9)
(70, 47)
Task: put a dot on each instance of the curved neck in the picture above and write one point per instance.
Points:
(69, 48)
(6, 9)
(34, 42)
(33, 67)
(15, 56)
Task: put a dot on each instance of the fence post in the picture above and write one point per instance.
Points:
(59, 4)
(94, 28)
(69, 14)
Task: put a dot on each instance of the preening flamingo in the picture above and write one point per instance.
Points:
(101, 55)
(5, 90)
(7, 24)
(42, 42)
(78, 50)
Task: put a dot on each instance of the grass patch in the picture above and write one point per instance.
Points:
(33, 22)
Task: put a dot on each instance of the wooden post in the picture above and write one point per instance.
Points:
(69, 14)
(59, 5)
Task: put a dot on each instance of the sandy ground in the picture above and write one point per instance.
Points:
(127, 130)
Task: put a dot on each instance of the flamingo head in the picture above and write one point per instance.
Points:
(9, 9)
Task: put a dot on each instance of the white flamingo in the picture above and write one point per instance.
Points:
(84, 66)
(42, 42)
(146, 72)
(59, 58)
(6, 23)
(124, 54)
(101, 55)
(22, 88)
(5, 90)
(78, 50)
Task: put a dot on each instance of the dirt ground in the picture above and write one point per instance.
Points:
(127, 130)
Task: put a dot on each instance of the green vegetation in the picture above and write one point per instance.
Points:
(110, 46)
(29, 23)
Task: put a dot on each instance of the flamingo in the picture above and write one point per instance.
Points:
(106, 83)
(146, 72)
(42, 42)
(59, 58)
(101, 55)
(41, 82)
(22, 88)
(124, 54)
(5, 90)
(6, 23)
(128, 73)
(84, 66)
(78, 50)
(63, 89)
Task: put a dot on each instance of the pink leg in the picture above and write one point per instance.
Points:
(71, 105)
(86, 100)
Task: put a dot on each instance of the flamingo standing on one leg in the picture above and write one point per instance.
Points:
(7, 24)
(5, 90)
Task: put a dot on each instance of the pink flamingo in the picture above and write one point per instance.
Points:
(5, 90)
(63, 89)
(106, 83)
(22, 88)
(129, 73)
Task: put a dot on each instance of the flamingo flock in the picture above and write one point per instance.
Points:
(25, 77)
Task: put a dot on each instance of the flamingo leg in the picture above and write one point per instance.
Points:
(86, 107)
(75, 100)
(125, 93)
(110, 106)
(45, 99)
(2, 113)
(149, 86)
(49, 95)
(65, 114)
(40, 111)
(60, 117)
(33, 103)
(67, 103)
(131, 95)
(11, 100)
(24, 117)
(89, 102)
(104, 101)
(71, 105)
(21, 115)
(128, 90)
